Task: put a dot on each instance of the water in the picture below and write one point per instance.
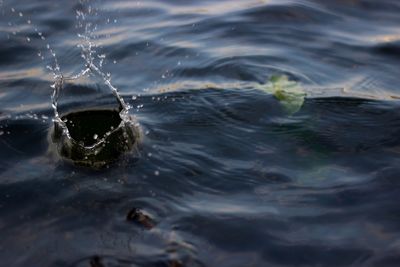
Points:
(225, 177)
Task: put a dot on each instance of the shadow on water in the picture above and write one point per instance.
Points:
(87, 126)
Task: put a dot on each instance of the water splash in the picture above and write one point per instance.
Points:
(128, 128)
(91, 67)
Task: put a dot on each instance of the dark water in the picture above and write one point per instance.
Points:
(225, 176)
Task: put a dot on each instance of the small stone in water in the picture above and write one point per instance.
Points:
(137, 216)
(96, 262)
(175, 263)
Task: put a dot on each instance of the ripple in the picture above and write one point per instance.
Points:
(226, 175)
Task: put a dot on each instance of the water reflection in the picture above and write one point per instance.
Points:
(225, 177)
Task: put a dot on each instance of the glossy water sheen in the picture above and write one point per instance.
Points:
(225, 177)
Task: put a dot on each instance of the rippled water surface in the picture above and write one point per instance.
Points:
(225, 175)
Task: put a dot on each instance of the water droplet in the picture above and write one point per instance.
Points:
(1, 132)
(28, 21)
(134, 97)
(20, 14)
(28, 39)
(12, 9)
(156, 173)
(95, 137)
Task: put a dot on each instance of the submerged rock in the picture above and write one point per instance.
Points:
(137, 216)
(95, 261)
(95, 138)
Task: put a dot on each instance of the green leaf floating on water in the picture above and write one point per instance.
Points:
(289, 93)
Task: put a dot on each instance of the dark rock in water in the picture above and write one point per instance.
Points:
(391, 49)
(96, 262)
(96, 137)
(137, 216)
(175, 263)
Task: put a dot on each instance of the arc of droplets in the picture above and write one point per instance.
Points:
(55, 69)
(88, 55)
